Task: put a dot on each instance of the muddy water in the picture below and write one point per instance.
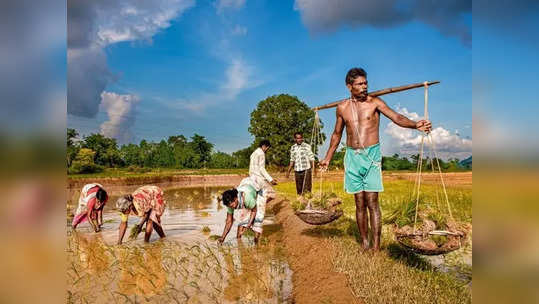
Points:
(185, 267)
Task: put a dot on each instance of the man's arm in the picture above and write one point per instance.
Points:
(292, 158)
(289, 169)
(228, 225)
(401, 120)
(335, 139)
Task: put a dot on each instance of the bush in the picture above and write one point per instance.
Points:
(84, 163)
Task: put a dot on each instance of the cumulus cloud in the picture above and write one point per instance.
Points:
(121, 112)
(446, 16)
(408, 141)
(92, 26)
(229, 4)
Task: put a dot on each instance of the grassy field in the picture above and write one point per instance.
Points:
(395, 275)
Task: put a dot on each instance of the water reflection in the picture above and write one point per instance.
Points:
(184, 267)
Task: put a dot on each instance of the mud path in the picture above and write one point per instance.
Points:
(310, 259)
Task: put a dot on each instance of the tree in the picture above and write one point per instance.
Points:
(277, 118)
(72, 149)
(131, 155)
(202, 148)
(242, 157)
(105, 149)
(84, 162)
(221, 160)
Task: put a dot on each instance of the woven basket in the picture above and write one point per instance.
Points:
(454, 242)
(318, 217)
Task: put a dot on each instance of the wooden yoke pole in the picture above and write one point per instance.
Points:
(380, 93)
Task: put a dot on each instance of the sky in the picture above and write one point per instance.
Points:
(151, 69)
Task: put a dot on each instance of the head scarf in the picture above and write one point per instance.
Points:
(123, 204)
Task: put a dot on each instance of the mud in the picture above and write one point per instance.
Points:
(314, 278)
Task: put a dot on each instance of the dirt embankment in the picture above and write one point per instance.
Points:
(310, 259)
(172, 181)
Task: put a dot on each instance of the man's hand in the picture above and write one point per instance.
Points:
(274, 182)
(324, 165)
(287, 175)
(220, 240)
(424, 126)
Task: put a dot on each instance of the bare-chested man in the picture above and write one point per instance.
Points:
(362, 163)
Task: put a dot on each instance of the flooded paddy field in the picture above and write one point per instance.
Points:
(185, 267)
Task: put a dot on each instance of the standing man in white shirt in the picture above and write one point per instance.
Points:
(302, 159)
(262, 181)
(257, 167)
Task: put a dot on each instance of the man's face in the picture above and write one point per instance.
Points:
(358, 88)
(298, 138)
(265, 148)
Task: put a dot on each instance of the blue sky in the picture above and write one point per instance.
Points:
(204, 69)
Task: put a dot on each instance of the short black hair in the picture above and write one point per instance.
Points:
(353, 74)
(298, 133)
(229, 196)
(264, 142)
(101, 195)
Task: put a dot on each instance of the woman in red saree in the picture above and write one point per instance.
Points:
(146, 202)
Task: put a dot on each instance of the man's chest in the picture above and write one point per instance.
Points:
(361, 114)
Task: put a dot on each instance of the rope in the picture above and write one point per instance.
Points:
(420, 159)
(316, 138)
(441, 178)
(420, 163)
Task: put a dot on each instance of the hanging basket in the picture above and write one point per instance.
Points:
(318, 217)
(316, 213)
(433, 242)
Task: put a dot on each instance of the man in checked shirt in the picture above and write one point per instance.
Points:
(302, 159)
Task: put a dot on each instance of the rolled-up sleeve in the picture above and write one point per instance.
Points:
(292, 154)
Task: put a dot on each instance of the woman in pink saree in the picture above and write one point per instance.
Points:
(91, 202)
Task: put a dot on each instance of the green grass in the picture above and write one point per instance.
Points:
(395, 275)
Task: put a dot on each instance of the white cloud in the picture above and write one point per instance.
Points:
(137, 20)
(237, 78)
(231, 4)
(239, 30)
(407, 141)
(121, 110)
(92, 25)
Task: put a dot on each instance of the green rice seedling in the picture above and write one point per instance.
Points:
(402, 215)
(438, 218)
(135, 231)
(206, 229)
(298, 205)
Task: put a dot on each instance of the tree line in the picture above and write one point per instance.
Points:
(95, 152)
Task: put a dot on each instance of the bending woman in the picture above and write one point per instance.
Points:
(146, 202)
(91, 202)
